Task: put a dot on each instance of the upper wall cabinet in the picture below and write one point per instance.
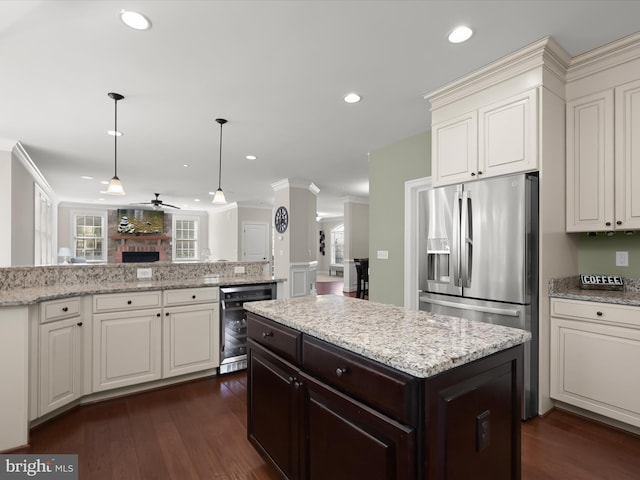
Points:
(603, 139)
(488, 124)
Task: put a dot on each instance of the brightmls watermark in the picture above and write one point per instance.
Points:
(51, 467)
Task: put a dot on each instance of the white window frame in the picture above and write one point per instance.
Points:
(74, 214)
(337, 228)
(196, 249)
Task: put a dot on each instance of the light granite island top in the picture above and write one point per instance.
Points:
(421, 344)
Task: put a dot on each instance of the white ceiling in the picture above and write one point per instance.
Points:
(276, 70)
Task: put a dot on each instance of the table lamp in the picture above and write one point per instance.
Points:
(65, 253)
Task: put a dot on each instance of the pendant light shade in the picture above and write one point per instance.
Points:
(219, 198)
(115, 185)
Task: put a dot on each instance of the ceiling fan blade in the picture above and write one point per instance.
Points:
(169, 205)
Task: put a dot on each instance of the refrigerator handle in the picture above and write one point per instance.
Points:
(465, 240)
(455, 241)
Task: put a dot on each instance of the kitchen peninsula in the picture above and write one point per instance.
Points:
(343, 388)
(76, 333)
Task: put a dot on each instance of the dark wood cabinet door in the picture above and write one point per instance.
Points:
(346, 440)
(274, 409)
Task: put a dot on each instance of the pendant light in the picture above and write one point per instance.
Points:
(115, 185)
(218, 198)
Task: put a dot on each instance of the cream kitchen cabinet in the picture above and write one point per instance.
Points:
(603, 139)
(495, 139)
(603, 163)
(127, 336)
(60, 338)
(594, 350)
(191, 331)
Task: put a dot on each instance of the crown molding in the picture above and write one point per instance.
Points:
(604, 57)
(295, 183)
(546, 53)
(22, 155)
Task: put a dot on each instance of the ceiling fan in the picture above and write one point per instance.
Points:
(157, 203)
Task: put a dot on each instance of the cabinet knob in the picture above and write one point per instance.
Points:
(473, 174)
(618, 222)
(479, 172)
(267, 334)
(129, 302)
(607, 224)
(599, 314)
(79, 324)
(193, 296)
(297, 384)
(157, 314)
(166, 314)
(65, 309)
(341, 371)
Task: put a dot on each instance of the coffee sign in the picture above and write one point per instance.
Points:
(601, 282)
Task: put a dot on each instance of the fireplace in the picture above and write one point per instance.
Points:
(134, 257)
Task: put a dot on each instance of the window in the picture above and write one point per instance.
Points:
(185, 238)
(337, 245)
(89, 240)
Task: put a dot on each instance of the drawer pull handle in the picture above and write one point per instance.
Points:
(65, 309)
(267, 334)
(297, 385)
(341, 371)
(129, 302)
(618, 222)
(599, 314)
(79, 324)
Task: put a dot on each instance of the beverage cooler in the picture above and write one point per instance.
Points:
(233, 322)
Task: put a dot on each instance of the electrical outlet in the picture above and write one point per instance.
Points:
(383, 254)
(145, 273)
(238, 269)
(622, 259)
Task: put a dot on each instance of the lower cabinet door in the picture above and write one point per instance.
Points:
(273, 409)
(126, 348)
(59, 363)
(346, 440)
(191, 339)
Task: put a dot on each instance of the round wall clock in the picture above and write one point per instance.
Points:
(281, 219)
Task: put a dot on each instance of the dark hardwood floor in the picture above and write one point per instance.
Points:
(197, 430)
(325, 288)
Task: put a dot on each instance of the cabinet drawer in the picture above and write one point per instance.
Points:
(383, 388)
(113, 302)
(281, 340)
(600, 312)
(59, 309)
(187, 296)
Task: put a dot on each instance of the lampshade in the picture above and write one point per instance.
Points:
(218, 197)
(115, 185)
(65, 253)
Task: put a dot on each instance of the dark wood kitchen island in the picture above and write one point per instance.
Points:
(341, 388)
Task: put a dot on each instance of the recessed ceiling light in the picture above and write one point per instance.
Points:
(352, 98)
(212, 193)
(251, 157)
(113, 133)
(186, 165)
(196, 199)
(104, 182)
(86, 177)
(460, 34)
(135, 20)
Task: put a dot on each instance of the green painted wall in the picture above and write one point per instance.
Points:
(389, 168)
(598, 254)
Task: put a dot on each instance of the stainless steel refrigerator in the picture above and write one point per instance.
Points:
(479, 258)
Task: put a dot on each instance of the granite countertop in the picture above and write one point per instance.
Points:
(569, 288)
(26, 296)
(419, 343)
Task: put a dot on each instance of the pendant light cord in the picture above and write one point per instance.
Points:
(220, 163)
(115, 139)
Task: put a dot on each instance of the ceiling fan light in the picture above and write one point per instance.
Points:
(218, 197)
(115, 187)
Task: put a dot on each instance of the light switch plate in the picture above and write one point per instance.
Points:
(622, 259)
(144, 273)
(238, 269)
(383, 254)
